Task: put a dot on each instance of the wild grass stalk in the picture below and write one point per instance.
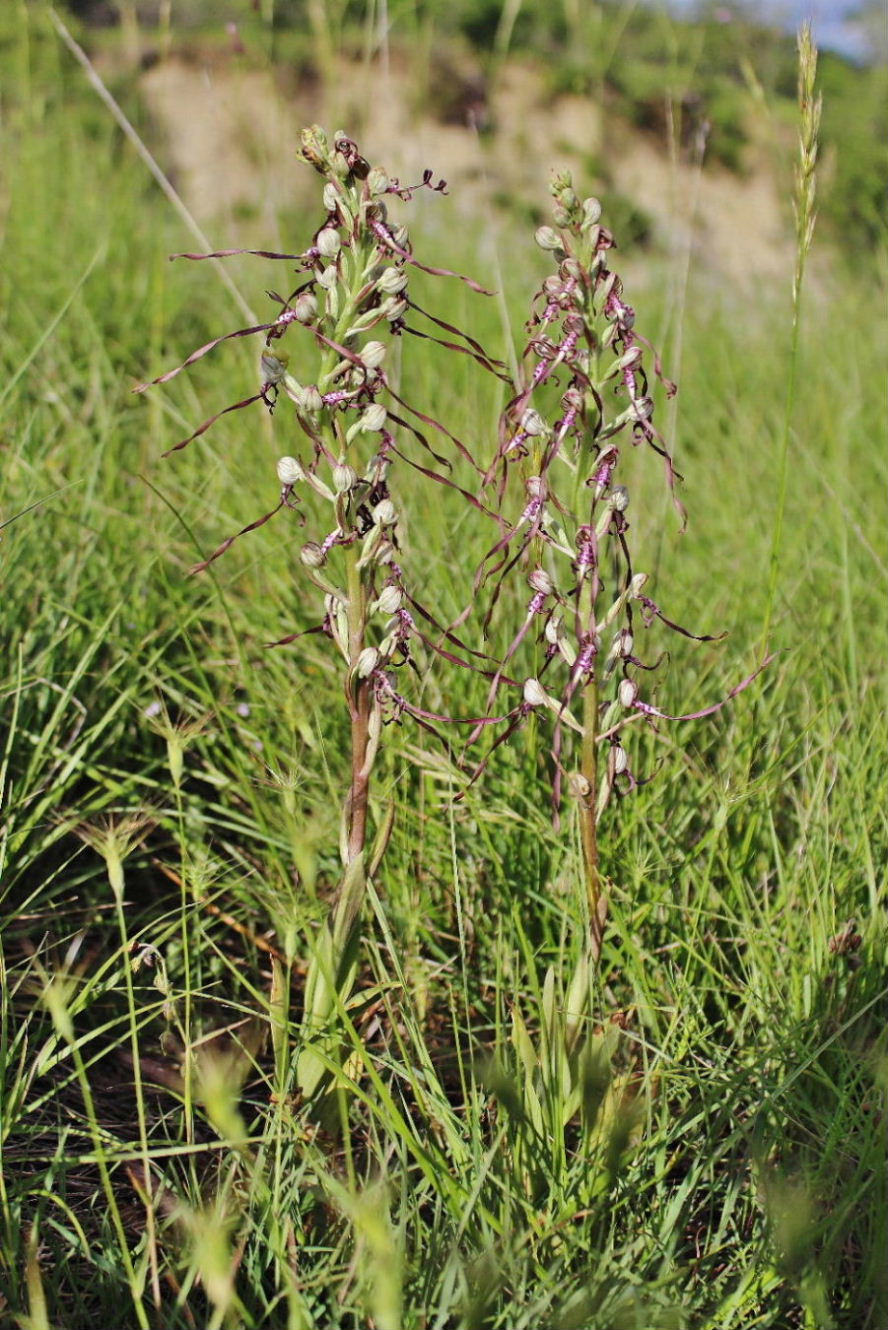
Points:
(103, 92)
(55, 998)
(114, 840)
(809, 106)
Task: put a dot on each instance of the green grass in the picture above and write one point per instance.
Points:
(718, 1161)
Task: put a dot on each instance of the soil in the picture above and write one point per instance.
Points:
(230, 130)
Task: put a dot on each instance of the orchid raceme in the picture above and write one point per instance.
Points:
(352, 300)
(584, 397)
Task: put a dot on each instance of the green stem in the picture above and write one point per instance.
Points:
(141, 1117)
(185, 906)
(788, 413)
(359, 705)
(588, 817)
(809, 112)
(331, 972)
(132, 1282)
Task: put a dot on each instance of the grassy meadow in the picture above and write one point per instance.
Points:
(708, 1149)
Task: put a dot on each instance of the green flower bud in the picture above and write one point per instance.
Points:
(554, 630)
(327, 278)
(385, 513)
(567, 651)
(274, 368)
(373, 354)
(393, 308)
(390, 598)
(328, 242)
(290, 471)
(373, 418)
(339, 165)
(533, 424)
(627, 692)
(374, 730)
(344, 478)
(618, 499)
(591, 213)
(306, 308)
(377, 469)
(622, 644)
(639, 581)
(377, 181)
(535, 694)
(337, 618)
(609, 283)
(314, 147)
(392, 281)
(618, 760)
(308, 399)
(331, 197)
(632, 357)
(175, 759)
(547, 238)
(312, 555)
(367, 662)
(372, 547)
(540, 580)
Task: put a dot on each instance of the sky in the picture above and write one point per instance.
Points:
(833, 28)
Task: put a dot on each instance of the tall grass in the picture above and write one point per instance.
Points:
(722, 1164)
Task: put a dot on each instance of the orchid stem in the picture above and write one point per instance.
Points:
(588, 816)
(359, 705)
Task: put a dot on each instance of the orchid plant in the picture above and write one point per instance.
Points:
(583, 390)
(584, 395)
